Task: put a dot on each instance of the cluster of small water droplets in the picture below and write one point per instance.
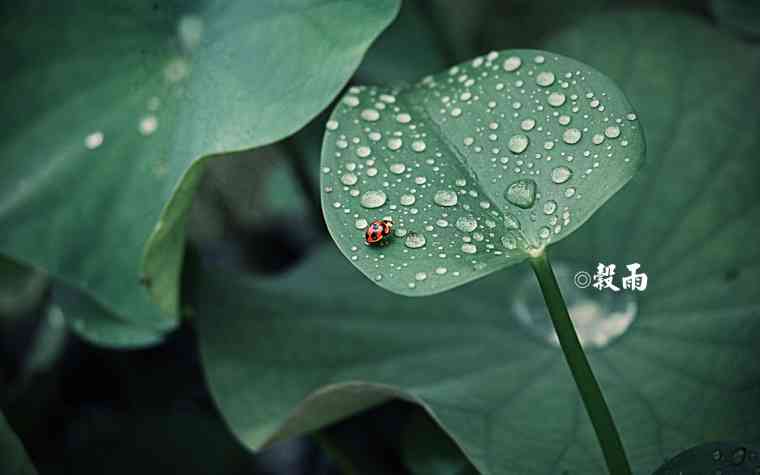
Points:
(487, 163)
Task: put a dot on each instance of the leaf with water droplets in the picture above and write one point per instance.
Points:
(524, 145)
(103, 141)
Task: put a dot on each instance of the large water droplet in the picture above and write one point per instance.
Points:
(469, 248)
(521, 193)
(414, 240)
(556, 99)
(512, 64)
(445, 198)
(407, 200)
(348, 179)
(545, 78)
(550, 207)
(612, 132)
(418, 146)
(467, 224)
(397, 168)
(518, 143)
(572, 136)
(395, 143)
(373, 199)
(370, 115)
(561, 174)
(599, 317)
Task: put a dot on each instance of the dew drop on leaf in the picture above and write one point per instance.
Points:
(561, 174)
(445, 198)
(518, 143)
(572, 136)
(521, 193)
(414, 240)
(373, 199)
(466, 224)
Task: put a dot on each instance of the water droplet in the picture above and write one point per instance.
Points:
(456, 112)
(148, 125)
(467, 224)
(469, 248)
(561, 174)
(404, 118)
(556, 99)
(407, 200)
(351, 101)
(599, 317)
(545, 78)
(717, 455)
(512, 64)
(332, 124)
(370, 115)
(597, 139)
(94, 140)
(414, 240)
(550, 207)
(397, 168)
(373, 199)
(527, 124)
(441, 270)
(360, 223)
(521, 193)
(420, 276)
(418, 146)
(363, 152)
(631, 116)
(572, 136)
(348, 179)
(445, 198)
(564, 119)
(612, 132)
(570, 192)
(394, 143)
(518, 143)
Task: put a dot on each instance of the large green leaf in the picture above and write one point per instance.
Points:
(315, 346)
(13, 458)
(108, 107)
(477, 166)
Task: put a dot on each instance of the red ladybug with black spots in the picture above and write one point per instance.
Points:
(377, 231)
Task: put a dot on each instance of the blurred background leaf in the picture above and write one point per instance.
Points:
(100, 152)
(739, 16)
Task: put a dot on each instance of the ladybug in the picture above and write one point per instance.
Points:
(377, 231)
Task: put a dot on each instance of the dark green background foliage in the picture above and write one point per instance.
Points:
(170, 300)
